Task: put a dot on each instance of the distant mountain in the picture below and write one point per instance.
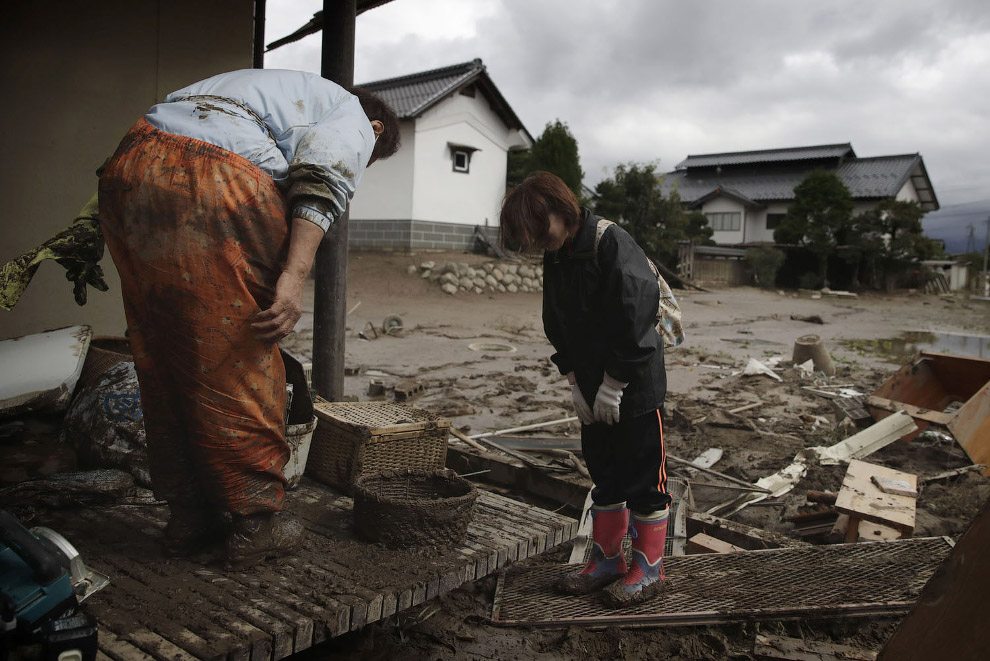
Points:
(951, 224)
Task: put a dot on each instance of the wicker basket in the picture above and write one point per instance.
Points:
(355, 439)
(414, 508)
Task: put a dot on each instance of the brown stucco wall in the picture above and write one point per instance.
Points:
(76, 75)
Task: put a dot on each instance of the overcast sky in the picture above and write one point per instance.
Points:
(655, 80)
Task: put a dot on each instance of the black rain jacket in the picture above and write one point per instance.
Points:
(601, 317)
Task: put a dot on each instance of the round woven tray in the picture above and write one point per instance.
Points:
(413, 507)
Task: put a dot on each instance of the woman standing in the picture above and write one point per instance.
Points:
(600, 300)
(213, 207)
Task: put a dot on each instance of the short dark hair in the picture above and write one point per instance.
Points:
(526, 209)
(375, 108)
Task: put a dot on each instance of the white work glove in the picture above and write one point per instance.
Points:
(607, 400)
(581, 407)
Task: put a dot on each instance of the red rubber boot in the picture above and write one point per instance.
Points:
(645, 576)
(607, 562)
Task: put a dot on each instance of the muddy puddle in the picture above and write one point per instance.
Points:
(908, 343)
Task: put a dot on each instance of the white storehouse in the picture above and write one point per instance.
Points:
(449, 176)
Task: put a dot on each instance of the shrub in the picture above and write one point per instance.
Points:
(765, 262)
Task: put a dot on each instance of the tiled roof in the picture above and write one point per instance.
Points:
(769, 156)
(411, 95)
(414, 94)
(866, 178)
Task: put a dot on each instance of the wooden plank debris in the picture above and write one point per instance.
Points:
(702, 543)
(868, 441)
(860, 498)
(950, 473)
(738, 534)
(798, 649)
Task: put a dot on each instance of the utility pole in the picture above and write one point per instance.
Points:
(986, 255)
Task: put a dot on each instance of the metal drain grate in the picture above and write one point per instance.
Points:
(844, 579)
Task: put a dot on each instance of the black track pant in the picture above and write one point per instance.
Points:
(628, 462)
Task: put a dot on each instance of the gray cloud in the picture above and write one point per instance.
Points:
(647, 80)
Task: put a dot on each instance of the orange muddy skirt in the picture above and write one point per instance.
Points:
(199, 235)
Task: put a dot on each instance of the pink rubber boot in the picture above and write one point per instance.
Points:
(609, 524)
(645, 576)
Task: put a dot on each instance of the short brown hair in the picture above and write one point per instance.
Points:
(526, 209)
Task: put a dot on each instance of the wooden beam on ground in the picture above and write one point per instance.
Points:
(738, 534)
(564, 488)
(797, 649)
(702, 543)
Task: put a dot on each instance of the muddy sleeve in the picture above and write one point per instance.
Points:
(328, 164)
(630, 299)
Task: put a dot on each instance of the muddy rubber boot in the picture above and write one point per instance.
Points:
(609, 524)
(192, 530)
(260, 536)
(645, 577)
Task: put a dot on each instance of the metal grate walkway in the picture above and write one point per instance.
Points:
(819, 581)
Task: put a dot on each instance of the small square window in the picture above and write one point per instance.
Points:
(774, 220)
(462, 161)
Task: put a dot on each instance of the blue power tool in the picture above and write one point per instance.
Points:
(42, 581)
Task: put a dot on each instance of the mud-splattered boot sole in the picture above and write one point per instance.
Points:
(616, 596)
(576, 584)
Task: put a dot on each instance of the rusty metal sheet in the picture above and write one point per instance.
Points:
(944, 390)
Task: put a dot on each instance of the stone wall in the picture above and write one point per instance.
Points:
(500, 276)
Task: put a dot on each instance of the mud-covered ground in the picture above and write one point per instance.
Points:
(483, 362)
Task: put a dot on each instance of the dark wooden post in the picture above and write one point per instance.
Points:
(259, 34)
(330, 303)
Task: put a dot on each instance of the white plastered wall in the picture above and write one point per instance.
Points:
(386, 189)
(727, 205)
(439, 193)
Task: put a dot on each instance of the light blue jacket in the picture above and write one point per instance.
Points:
(286, 123)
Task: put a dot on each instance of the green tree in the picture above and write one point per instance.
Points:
(556, 151)
(633, 198)
(818, 217)
(888, 239)
(765, 262)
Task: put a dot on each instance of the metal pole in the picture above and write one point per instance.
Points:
(329, 311)
(259, 34)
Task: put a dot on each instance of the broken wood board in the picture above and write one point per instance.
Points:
(797, 649)
(840, 580)
(867, 531)
(566, 488)
(181, 609)
(868, 441)
(738, 534)
(860, 498)
(702, 543)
